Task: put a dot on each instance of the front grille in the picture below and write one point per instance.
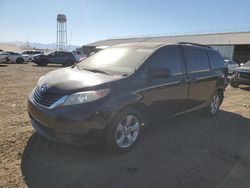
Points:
(244, 75)
(46, 98)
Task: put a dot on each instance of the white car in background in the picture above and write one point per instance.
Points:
(3, 57)
(12, 57)
(231, 65)
(29, 54)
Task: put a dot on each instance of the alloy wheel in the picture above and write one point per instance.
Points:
(215, 104)
(127, 131)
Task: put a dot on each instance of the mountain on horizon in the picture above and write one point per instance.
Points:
(40, 45)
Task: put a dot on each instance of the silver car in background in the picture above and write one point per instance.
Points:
(231, 65)
(12, 57)
(30, 54)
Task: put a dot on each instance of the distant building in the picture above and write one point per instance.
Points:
(234, 45)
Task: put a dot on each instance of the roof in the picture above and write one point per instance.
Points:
(235, 38)
(149, 45)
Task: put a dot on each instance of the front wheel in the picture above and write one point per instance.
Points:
(43, 63)
(125, 131)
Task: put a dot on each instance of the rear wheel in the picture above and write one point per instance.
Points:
(125, 131)
(214, 105)
(19, 60)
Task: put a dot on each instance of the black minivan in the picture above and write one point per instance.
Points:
(111, 95)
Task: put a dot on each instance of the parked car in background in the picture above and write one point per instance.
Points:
(13, 57)
(112, 94)
(79, 55)
(55, 57)
(231, 65)
(241, 75)
(31, 53)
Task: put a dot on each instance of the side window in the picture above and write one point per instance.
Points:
(53, 54)
(79, 53)
(168, 58)
(59, 54)
(216, 59)
(65, 54)
(196, 60)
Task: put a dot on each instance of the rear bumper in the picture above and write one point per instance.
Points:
(73, 124)
(243, 78)
(243, 81)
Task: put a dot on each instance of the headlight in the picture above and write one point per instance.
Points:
(85, 97)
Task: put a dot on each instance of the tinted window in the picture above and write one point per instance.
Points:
(67, 54)
(169, 58)
(216, 60)
(196, 60)
(59, 54)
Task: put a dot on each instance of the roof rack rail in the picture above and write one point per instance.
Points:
(195, 44)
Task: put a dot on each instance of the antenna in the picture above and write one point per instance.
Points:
(70, 38)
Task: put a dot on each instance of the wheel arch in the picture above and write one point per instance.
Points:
(221, 92)
(140, 107)
(19, 58)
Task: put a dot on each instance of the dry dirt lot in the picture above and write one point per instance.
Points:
(187, 151)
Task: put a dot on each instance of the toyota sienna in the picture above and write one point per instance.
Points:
(111, 95)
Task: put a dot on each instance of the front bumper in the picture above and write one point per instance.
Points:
(71, 124)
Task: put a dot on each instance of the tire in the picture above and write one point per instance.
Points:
(234, 83)
(214, 104)
(43, 63)
(19, 60)
(67, 64)
(125, 131)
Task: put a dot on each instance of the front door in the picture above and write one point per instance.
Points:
(167, 82)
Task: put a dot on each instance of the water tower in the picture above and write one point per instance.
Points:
(61, 40)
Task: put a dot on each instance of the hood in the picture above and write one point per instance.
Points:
(69, 80)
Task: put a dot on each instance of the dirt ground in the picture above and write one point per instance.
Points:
(187, 151)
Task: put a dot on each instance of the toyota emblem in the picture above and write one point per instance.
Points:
(44, 87)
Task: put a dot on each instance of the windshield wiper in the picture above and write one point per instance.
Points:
(98, 71)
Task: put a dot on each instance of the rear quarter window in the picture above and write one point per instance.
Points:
(216, 60)
(196, 60)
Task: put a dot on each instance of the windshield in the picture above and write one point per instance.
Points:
(117, 60)
(4, 53)
(48, 53)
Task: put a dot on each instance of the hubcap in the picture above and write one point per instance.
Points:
(127, 131)
(215, 104)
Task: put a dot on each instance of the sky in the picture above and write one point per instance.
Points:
(93, 20)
